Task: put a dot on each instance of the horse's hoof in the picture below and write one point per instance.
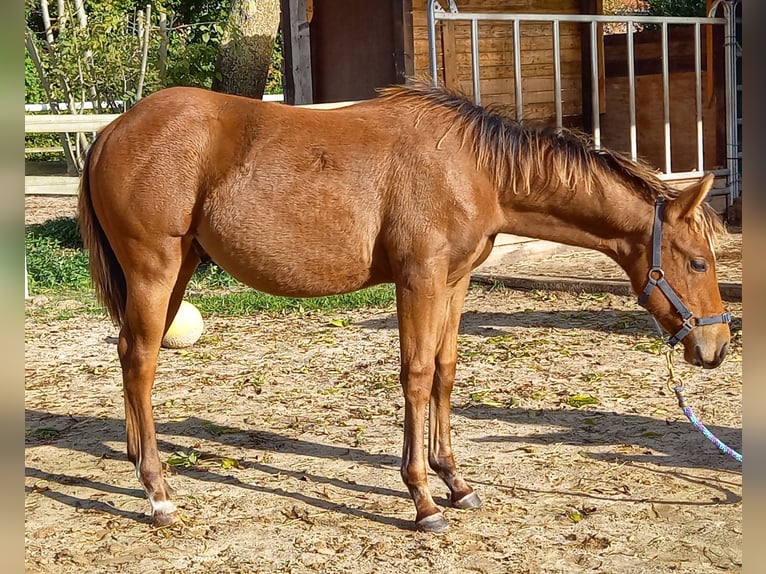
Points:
(470, 500)
(164, 519)
(434, 523)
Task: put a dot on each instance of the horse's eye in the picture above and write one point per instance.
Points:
(699, 265)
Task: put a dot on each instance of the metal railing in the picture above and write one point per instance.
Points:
(436, 13)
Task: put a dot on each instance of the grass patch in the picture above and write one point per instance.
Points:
(55, 258)
(57, 267)
(244, 302)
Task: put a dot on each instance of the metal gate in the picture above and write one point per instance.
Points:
(436, 13)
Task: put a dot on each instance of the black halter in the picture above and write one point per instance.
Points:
(656, 278)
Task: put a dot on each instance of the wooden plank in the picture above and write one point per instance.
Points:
(448, 55)
(503, 29)
(66, 123)
(532, 70)
(512, 6)
(502, 52)
(51, 185)
(54, 149)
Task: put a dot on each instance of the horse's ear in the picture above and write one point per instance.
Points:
(689, 199)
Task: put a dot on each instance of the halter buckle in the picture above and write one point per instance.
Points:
(660, 274)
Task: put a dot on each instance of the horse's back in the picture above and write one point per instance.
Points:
(288, 200)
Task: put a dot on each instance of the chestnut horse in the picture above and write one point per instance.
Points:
(410, 188)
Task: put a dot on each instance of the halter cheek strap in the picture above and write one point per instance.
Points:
(656, 278)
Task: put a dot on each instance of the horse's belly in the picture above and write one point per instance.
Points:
(296, 266)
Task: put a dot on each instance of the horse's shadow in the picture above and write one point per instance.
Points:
(93, 436)
(490, 324)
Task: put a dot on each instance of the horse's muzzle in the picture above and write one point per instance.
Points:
(708, 351)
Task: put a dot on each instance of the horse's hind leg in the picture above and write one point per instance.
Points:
(440, 456)
(154, 294)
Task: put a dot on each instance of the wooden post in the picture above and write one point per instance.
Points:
(298, 85)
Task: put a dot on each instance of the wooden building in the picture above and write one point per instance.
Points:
(342, 50)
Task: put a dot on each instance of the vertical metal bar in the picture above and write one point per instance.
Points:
(475, 61)
(730, 33)
(432, 42)
(666, 96)
(594, 84)
(557, 72)
(698, 96)
(632, 94)
(517, 68)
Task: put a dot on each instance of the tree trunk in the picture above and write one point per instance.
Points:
(245, 52)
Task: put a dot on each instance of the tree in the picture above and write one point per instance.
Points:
(245, 51)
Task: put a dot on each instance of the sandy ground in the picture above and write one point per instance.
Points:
(290, 429)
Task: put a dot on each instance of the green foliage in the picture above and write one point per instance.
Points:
(99, 62)
(103, 60)
(184, 459)
(33, 90)
(680, 8)
(192, 53)
(274, 79)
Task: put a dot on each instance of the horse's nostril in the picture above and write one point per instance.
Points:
(697, 362)
(723, 351)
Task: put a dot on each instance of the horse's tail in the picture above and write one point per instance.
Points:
(105, 271)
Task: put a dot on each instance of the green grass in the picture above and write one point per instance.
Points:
(249, 301)
(58, 268)
(55, 258)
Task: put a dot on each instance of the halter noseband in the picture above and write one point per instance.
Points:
(656, 278)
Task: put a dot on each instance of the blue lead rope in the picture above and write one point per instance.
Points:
(679, 391)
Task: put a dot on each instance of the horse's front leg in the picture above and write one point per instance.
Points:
(440, 456)
(421, 310)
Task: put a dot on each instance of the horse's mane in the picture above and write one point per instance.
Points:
(517, 153)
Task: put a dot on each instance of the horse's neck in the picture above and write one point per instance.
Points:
(606, 220)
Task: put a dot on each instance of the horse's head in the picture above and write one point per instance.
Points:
(675, 278)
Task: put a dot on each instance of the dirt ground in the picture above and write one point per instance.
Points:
(296, 423)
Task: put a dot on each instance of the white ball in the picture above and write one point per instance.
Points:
(186, 328)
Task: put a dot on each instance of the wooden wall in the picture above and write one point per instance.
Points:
(496, 56)
(649, 100)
